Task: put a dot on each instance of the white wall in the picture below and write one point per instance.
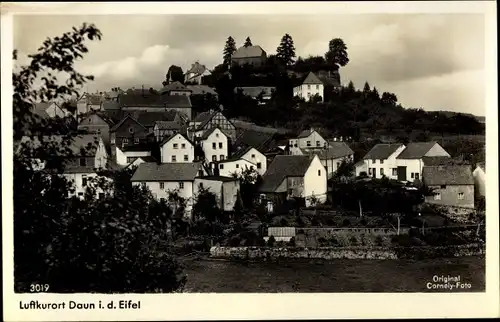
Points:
(121, 156)
(169, 186)
(77, 179)
(167, 150)
(234, 167)
(413, 166)
(309, 90)
(256, 157)
(101, 156)
(332, 165)
(480, 181)
(388, 164)
(216, 137)
(314, 183)
(313, 138)
(226, 192)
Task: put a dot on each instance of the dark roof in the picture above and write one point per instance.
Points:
(166, 139)
(284, 166)
(173, 101)
(136, 99)
(258, 140)
(203, 116)
(168, 125)
(127, 116)
(416, 150)
(334, 151)
(447, 175)
(148, 119)
(382, 151)
(40, 109)
(207, 133)
(432, 161)
(247, 52)
(197, 68)
(201, 89)
(243, 125)
(219, 178)
(148, 159)
(311, 78)
(174, 86)
(152, 171)
(241, 152)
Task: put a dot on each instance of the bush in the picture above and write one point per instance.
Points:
(353, 240)
(234, 241)
(291, 242)
(379, 241)
(271, 241)
(330, 222)
(284, 222)
(346, 223)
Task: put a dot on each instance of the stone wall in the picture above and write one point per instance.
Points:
(459, 214)
(269, 253)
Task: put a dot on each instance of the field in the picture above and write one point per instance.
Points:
(330, 276)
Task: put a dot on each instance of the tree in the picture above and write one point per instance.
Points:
(228, 52)
(248, 42)
(285, 52)
(206, 206)
(109, 243)
(366, 89)
(389, 98)
(337, 53)
(174, 74)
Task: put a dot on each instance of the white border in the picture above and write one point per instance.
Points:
(262, 306)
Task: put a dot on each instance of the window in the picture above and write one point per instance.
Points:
(221, 166)
(98, 131)
(253, 156)
(381, 161)
(308, 94)
(369, 171)
(136, 140)
(125, 141)
(374, 161)
(437, 196)
(319, 172)
(131, 130)
(412, 175)
(318, 144)
(80, 194)
(83, 162)
(308, 143)
(308, 86)
(186, 158)
(394, 171)
(221, 157)
(183, 145)
(317, 86)
(220, 145)
(214, 158)
(417, 176)
(259, 165)
(162, 185)
(460, 196)
(176, 146)
(237, 165)
(84, 181)
(381, 171)
(181, 185)
(90, 120)
(443, 186)
(214, 146)
(174, 158)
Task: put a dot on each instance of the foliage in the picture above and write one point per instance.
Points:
(337, 52)
(108, 243)
(271, 241)
(229, 50)
(285, 53)
(206, 206)
(248, 42)
(249, 181)
(174, 74)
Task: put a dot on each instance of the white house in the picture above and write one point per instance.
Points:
(332, 156)
(140, 160)
(175, 88)
(231, 167)
(295, 176)
(310, 87)
(176, 148)
(380, 161)
(214, 144)
(307, 139)
(127, 154)
(410, 161)
(226, 189)
(254, 156)
(196, 73)
(163, 179)
(479, 174)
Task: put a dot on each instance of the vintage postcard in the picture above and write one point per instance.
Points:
(272, 160)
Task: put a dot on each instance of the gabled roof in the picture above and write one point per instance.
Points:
(148, 119)
(147, 99)
(168, 125)
(174, 86)
(416, 150)
(335, 150)
(241, 152)
(433, 161)
(382, 151)
(119, 124)
(202, 117)
(201, 89)
(102, 116)
(152, 171)
(256, 139)
(311, 78)
(40, 109)
(165, 140)
(284, 166)
(247, 52)
(110, 105)
(176, 101)
(219, 178)
(197, 69)
(447, 175)
(206, 118)
(207, 133)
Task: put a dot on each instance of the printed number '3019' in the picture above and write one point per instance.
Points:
(39, 288)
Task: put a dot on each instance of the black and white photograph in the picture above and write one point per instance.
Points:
(303, 152)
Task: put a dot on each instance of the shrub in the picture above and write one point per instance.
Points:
(330, 222)
(353, 240)
(379, 241)
(363, 222)
(235, 241)
(291, 242)
(346, 223)
(284, 222)
(315, 222)
(271, 241)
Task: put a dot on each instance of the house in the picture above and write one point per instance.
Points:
(152, 101)
(150, 119)
(127, 154)
(381, 161)
(175, 88)
(202, 90)
(226, 190)
(196, 73)
(163, 129)
(265, 142)
(140, 160)
(479, 174)
(410, 160)
(179, 103)
(128, 132)
(233, 167)
(51, 109)
(214, 143)
(251, 55)
(452, 185)
(88, 157)
(295, 176)
(332, 156)
(254, 156)
(261, 93)
(310, 87)
(164, 178)
(97, 123)
(88, 103)
(208, 120)
(177, 149)
(307, 139)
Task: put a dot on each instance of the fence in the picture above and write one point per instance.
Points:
(281, 231)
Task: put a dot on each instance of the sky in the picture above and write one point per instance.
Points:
(432, 61)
